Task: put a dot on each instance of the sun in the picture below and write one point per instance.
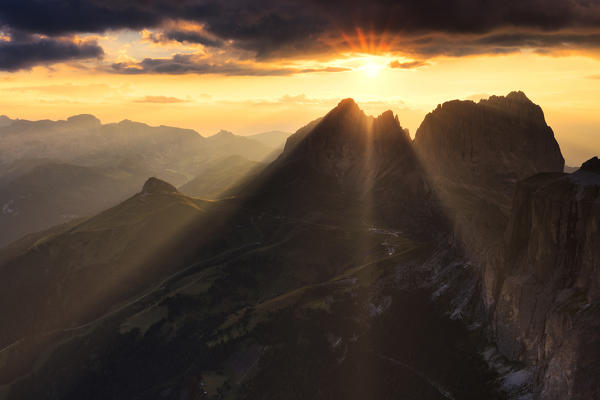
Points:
(371, 69)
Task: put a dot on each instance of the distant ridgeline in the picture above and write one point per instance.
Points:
(53, 172)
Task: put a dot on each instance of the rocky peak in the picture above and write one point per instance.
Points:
(349, 105)
(388, 124)
(591, 165)
(498, 140)
(348, 145)
(154, 186)
(517, 104)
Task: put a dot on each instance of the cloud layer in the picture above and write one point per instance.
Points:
(24, 51)
(276, 29)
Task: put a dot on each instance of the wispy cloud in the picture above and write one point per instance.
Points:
(408, 64)
(160, 99)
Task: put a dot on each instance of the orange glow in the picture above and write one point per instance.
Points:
(358, 66)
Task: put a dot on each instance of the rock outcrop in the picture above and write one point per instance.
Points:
(544, 293)
(474, 153)
(531, 231)
(154, 185)
(495, 141)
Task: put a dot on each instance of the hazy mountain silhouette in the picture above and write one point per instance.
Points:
(225, 142)
(54, 171)
(358, 264)
(216, 178)
(274, 139)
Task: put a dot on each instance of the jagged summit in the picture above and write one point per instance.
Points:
(348, 104)
(500, 139)
(516, 95)
(154, 185)
(354, 149)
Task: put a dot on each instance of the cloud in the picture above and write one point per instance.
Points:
(193, 64)
(26, 52)
(276, 29)
(160, 99)
(184, 36)
(324, 69)
(203, 64)
(69, 88)
(407, 65)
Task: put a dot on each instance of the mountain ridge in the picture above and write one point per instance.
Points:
(356, 246)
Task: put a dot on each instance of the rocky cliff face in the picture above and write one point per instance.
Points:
(544, 294)
(495, 141)
(530, 231)
(474, 153)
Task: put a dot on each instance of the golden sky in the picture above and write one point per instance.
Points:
(197, 74)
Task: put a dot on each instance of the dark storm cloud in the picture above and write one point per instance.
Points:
(289, 19)
(20, 53)
(185, 36)
(294, 28)
(542, 40)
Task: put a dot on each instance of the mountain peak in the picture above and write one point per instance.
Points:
(154, 185)
(466, 141)
(518, 95)
(223, 134)
(84, 120)
(591, 165)
(346, 107)
(348, 102)
(351, 147)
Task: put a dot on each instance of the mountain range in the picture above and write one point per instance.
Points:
(57, 171)
(359, 263)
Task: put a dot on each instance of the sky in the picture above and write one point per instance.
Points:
(253, 66)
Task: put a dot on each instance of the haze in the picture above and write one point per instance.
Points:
(197, 65)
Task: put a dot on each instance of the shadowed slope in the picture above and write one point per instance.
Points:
(69, 277)
(345, 162)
